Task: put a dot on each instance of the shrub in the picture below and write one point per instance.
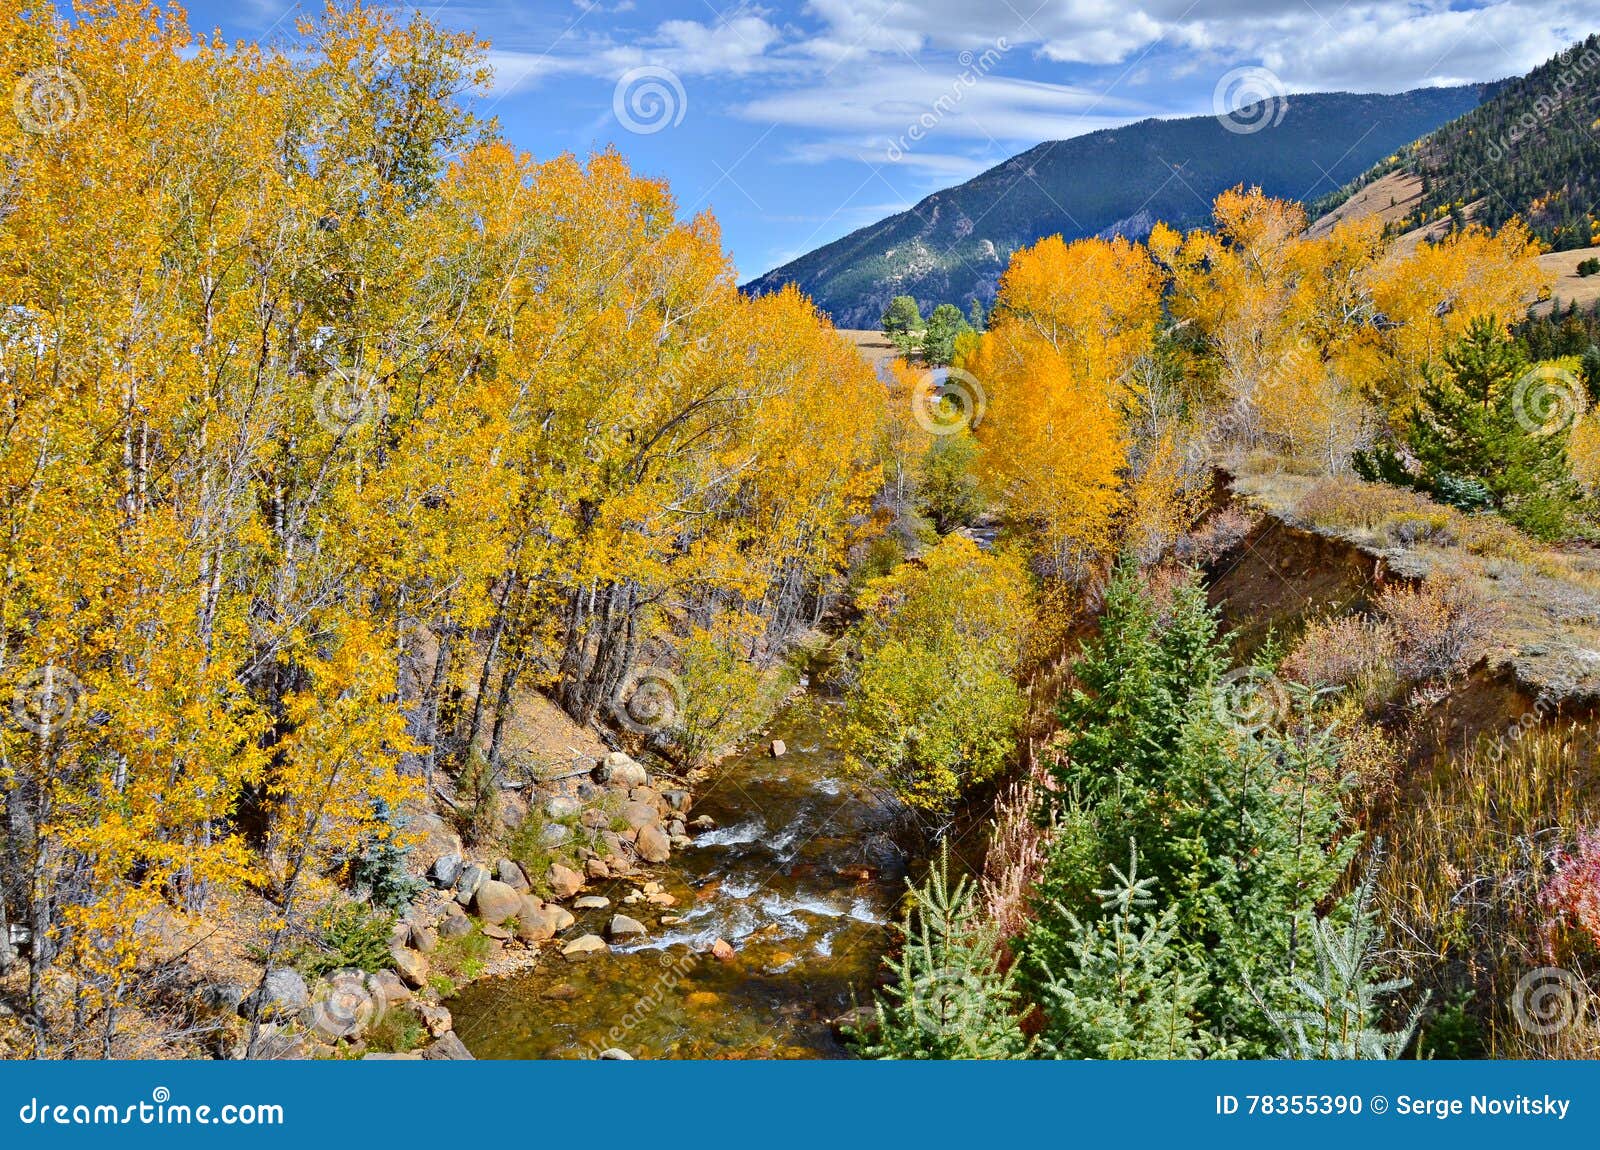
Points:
(1340, 652)
(525, 846)
(1412, 527)
(1344, 504)
(947, 485)
(1216, 535)
(1571, 897)
(458, 960)
(933, 705)
(721, 685)
(395, 1032)
(1492, 537)
(1440, 628)
(346, 935)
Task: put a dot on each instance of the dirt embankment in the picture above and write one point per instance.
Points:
(1543, 662)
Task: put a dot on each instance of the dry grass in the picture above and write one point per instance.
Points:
(1390, 198)
(1566, 285)
(1547, 629)
(1469, 848)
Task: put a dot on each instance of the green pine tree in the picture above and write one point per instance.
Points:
(902, 323)
(950, 998)
(939, 340)
(1335, 1012)
(1479, 427)
(1119, 987)
(1238, 819)
(1589, 365)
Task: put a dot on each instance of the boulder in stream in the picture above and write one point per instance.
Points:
(624, 927)
(584, 944)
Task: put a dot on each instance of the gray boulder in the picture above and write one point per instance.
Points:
(472, 877)
(561, 807)
(447, 1048)
(282, 994)
(446, 869)
(512, 875)
(453, 922)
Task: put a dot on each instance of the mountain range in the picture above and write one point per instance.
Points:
(953, 245)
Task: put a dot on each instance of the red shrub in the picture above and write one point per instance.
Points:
(1571, 896)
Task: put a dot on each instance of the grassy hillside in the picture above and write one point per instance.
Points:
(1531, 149)
(953, 245)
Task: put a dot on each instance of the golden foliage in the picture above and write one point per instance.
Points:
(324, 408)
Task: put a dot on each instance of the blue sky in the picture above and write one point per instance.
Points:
(796, 121)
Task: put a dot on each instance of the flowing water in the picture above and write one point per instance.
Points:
(800, 877)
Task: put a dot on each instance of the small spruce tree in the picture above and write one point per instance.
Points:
(950, 998)
(1474, 429)
(1334, 1011)
(1119, 986)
